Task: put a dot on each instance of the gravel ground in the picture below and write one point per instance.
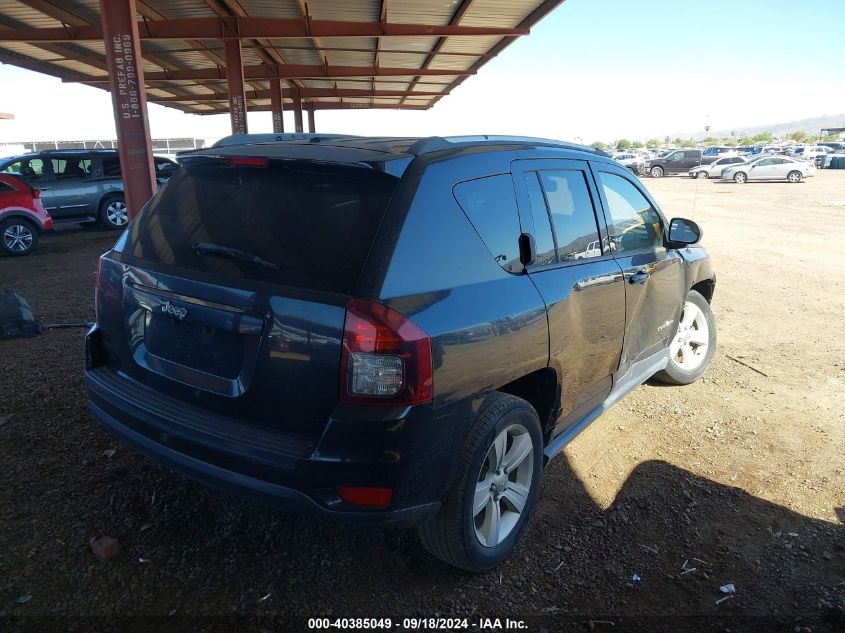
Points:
(740, 476)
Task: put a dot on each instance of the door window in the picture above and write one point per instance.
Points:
(677, 156)
(544, 240)
(490, 205)
(764, 162)
(71, 167)
(28, 168)
(571, 209)
(636, 224)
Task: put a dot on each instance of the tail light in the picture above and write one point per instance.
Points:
(386, 358)
(36, 193)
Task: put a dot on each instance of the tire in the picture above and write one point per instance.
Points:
(455, 533)
(702, 174)
(113, 213)
(691, 352)
(794, 176)
(740, 177)
(18, 237)
(657, 171)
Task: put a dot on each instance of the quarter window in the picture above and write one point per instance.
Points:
(636, 224)
(573, 218)
(490, 204)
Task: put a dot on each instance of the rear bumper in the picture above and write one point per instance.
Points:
(413, 451)
(255, 489)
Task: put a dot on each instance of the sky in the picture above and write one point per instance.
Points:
(593, 70)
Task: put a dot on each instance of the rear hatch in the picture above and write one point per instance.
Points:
(229, 291)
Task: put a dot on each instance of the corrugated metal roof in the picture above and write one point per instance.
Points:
(322, 43)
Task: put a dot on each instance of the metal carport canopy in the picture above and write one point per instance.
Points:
(217, 56)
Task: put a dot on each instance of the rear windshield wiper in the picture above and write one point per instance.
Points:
(206, 248)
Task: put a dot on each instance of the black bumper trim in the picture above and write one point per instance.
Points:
(256, 489)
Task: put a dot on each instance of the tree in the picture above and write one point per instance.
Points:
(711, 140)
(637, 144)
(730, 143)
(623, 143)
(667, 140)
(747, 140)
(653, 142)
(678, 142)
(599, 145)
(763, 137)
(798, 135)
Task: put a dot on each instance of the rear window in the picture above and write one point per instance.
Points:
(314, 224)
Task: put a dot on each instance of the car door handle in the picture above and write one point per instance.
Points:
(639, 277)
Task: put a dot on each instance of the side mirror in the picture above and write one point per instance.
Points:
(683, 231)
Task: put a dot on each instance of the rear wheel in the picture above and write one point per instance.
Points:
(657, 172)
(794, 176)
(740, 177)
(494, 490)
(694, 344)
(18, 237)
(113, 212)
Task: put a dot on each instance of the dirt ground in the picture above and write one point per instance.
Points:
(740, 476)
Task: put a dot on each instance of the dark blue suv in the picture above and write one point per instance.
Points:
(394, 331)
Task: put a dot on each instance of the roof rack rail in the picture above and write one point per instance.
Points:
(440, 143)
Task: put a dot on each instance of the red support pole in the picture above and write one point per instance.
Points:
(129, 98)
(297, 110)
(311, 127)
(235, 81)
(276, 105)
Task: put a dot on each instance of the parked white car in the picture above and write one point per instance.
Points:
(715, 169)
(630, 160)
(809, 152)
(771, 168)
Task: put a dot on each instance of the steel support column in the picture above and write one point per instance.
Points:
(311, 127)
(297, 110)
(129, 99)
(235, 81)
(276, 105)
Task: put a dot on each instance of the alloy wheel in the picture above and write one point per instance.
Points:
(116, 213)
(689, 347)
(18, 238)
(503, 486)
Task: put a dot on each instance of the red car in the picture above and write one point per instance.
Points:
(22, 216)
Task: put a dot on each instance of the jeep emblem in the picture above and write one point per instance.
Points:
(174, 311)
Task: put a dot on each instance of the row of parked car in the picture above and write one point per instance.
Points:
(763, 163)
(40, 189)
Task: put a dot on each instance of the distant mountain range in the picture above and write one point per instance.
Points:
(810, 126)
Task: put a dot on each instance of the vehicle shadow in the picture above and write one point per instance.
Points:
(653, 560)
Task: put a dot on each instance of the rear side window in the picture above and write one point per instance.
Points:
(573, 217)
(490, 204)
(544, 240)
(636, 224)
(71, 167)
(312, 225)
